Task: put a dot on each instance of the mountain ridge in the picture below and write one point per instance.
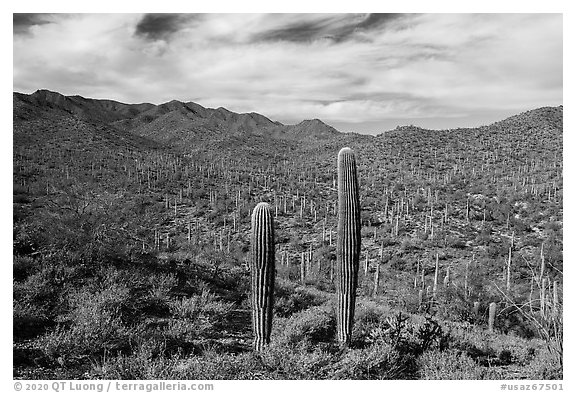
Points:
(170, 120)
(189, 127)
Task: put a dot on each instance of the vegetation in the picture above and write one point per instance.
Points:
(132, 254)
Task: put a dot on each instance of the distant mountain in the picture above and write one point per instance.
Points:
(188, 127)
(177, 124)
(85, 108)
(540, 118)
(307, 128)
(52, 120)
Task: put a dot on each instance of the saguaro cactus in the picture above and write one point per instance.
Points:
(491, 316)
(376, 280)
(348, 243)
(476, 309)
(262, 272)
(435, 288)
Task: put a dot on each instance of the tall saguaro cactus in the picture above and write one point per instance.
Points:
(262, 272)
(348, 243)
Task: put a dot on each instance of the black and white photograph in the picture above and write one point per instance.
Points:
(287, 196)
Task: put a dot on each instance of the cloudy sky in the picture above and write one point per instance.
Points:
(358, 72)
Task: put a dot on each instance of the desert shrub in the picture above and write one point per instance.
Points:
(142, 294)
(23, 266)
(483, 239)
(408, 335)
(431, 335)
(545, 366)
(27, 236)
(512, 322)
(205, 306)
(181, 331)
(162, 285)
(452, 306)
(41, 289)
(305, 328)
(300, 361)
(20, 198)
(186, 307)
(290, 298)
(495, 350)
(398, 263)
(519, 226)
(451, 364)
(94, 324)
(366, 231)
(325, 254)
(105, 334)
(212, 365)
(387, 241)
(225, 279)
(407, 246)
(455, 242)
(143, 363)
(378, 361)
(411, 301)
(421, 235)
(29, 320)
(367, 319)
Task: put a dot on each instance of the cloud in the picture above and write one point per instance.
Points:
(21, 23)
(375, 20)
(343, 68)
(162, 26)
(335, 27)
